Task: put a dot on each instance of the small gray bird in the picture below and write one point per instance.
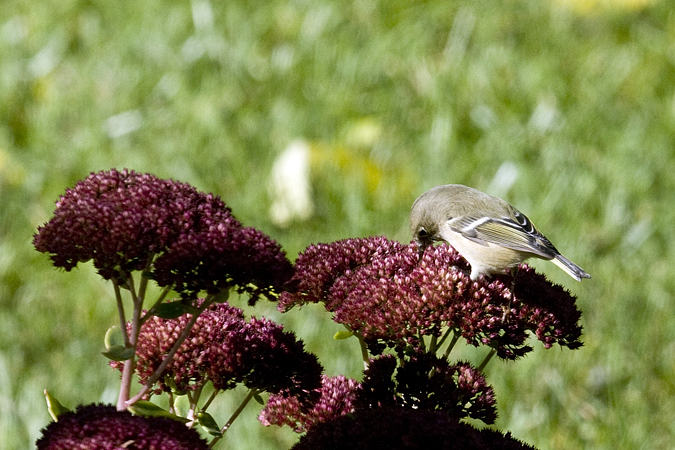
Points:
(488, 232)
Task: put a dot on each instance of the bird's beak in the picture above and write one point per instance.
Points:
(421, 247)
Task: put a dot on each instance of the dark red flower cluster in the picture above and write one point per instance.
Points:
(403, 429)
(383, 291)
(103, 427)
(321, 265)
(118, 219)
(337, 398)
(424, 381)
(122, 220)
(226, 349)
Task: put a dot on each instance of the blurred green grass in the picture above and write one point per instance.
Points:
(569, 115)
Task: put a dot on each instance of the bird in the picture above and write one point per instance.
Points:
(488, 232)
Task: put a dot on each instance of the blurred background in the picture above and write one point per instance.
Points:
(322, 120)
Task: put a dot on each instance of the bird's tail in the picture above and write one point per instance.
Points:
(569, 267)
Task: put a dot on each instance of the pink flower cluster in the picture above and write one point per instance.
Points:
(337, 398)
(383, 291)
(226, 349)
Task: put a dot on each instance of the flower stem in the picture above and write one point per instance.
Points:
(129, 364)
(364, 350)
(445, 336)
(120, 310)
(455, 338)
(169, 356)
(143, 284)
(210, 399)
(423, 345)
(433, 344)
(160, 299)
(241, 407)
(194, 399)
(172, 405)
(487, 359)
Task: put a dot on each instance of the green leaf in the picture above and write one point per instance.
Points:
(173, 310)
(146, 408)
(209, 424)
(258, 399)
(54, 407)
(114, 345)
(181, 405)
(114, 337)
(119, 353)
(342, 335)
(222, 296)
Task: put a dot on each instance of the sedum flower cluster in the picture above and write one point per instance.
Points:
(226, 349)
(381, 290)
(426, 382)
(337, 395)
(388, 296)
(403, 429)
(102, 427)
(422, 382)
(125, 221)
(189, 242)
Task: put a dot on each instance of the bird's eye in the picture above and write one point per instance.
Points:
(422, 233)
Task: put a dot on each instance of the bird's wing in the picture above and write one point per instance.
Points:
(516, 233)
